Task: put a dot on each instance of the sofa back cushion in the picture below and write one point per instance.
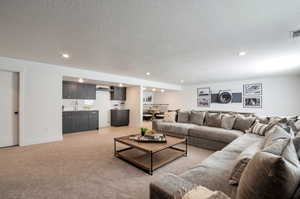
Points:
(183, 117)
(197, 117)
(273, 173)
(242, 161)
(228, 121)
(243, 123)
(213, 119)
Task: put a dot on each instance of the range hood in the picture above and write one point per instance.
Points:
(103, 88)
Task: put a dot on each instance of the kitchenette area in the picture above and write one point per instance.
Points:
(89, 106)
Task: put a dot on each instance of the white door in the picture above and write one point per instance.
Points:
(9, 106)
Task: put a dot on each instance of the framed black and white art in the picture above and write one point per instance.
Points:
(253, 89)
(203, 97)
(252, 95)
(252, 102)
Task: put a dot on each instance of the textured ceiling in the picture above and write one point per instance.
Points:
(193, 40)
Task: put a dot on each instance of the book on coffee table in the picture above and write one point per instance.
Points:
(149, 138)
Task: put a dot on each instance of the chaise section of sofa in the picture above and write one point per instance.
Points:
(212, 173)
(215, 172)
(169, 186)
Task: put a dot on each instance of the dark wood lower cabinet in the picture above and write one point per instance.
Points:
(119, 117)
(75, 121)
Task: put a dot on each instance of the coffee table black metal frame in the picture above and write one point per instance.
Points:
(117, 153)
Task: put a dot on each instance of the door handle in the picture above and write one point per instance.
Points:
(16, 113)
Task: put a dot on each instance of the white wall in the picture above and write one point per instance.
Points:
(281, 96)
(134, 102)
(41, 96)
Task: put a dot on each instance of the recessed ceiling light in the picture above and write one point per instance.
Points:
(242, 53)
(80, 80)
(162, 90)
(65, 55)
(148, 73)
(121, 85)
(182, 81)
(153, 89)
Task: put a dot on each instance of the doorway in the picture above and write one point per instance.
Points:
(9, 108)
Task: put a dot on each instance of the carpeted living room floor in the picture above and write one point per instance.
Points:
(81, 166)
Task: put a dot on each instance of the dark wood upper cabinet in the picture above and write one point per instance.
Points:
(118, 93)
(69, 90)
(91, 91)
(74, 90)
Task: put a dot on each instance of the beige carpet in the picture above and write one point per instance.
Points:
(81, 166)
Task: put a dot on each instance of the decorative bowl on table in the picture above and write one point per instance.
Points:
(155, 138)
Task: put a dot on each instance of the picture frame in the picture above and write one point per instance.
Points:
(252, 89)
(203, 97)
(252, 101)
(148, 98)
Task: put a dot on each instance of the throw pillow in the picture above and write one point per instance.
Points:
(243, 123)
(227, 121)
(198, 192)
(183, 116)
(268, 176)
(213, 119)
(242, 161)
(295, 126)
(262, 119)
(218, 195)
(201, 192)
(272, 173)
(276, 119)
(273, 134)
(197, 117)
(296, 141)
(259, 128)
(169, 117)
(284, 147)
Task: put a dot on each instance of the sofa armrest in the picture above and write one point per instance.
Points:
(169, 186)
(155, 124)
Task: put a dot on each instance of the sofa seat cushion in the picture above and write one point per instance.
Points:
(243, 142)
(213, 173)
(216, 134)
(177, 128)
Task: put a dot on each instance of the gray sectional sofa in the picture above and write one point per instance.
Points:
(208, 137)
(214, 172)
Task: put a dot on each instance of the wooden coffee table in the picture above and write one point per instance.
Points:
(150, 156)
